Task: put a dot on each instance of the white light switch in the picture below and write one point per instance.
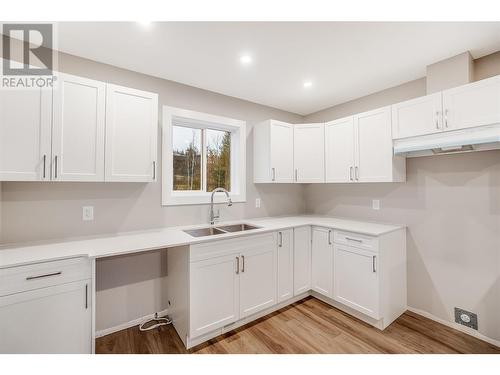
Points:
(257, 202)
(376, 204)
(88, 213)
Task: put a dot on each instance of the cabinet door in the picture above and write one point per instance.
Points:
(475, 104)
(339, 150)
(131, 134)
(417, 117)
(356, 279)
(281, 148)
(25, 126)
(78, 130)
(214, 289)
(258, 276)
(309, 153)
(301, 260)
(48, 320)
(285, 264)
(322, 261)
(373, 146)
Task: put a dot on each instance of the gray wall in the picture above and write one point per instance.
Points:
(128, 287)
(451, 206)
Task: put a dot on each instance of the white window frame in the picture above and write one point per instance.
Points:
(202, 120)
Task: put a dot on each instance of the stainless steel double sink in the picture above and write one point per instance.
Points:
(212, 231)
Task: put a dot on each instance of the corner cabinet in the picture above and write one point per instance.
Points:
(301, 260)
(273, 152)
(131, 134)
(285, 264)
(359, 149)
(309, 153)
(322, 261)
(81, 130)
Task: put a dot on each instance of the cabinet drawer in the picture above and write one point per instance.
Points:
(229, 246)
(41, 275)
(361, 241)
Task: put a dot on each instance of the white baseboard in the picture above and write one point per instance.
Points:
(458, 327)
(129, 324)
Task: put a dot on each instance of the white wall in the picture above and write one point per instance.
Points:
(451, 206)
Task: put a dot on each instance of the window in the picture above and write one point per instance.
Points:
(200, 153)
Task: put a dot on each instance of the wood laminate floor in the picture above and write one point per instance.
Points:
(308, 326)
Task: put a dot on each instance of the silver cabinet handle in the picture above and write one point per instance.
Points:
(296, 174)
(356, 170)
(353, 239)
(350, 173)
(329, 237)
(446, 118)
(45, 275)
(437, 119)
(280, 244)
(86, 296)
(273, 170)
(154, 170)
(374, 269)
(237, 265)
(243, 261)
(55, 168)
(44, 162)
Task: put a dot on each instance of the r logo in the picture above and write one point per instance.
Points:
(37, 40)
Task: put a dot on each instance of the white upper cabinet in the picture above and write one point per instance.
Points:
(339, 150)
(309, 153)
(131, 134)
(273, 152)
(373, 148)
(82, 130)
(78, 129)
(25, 126)
(475, 104)
(417, 116)
(359, 149)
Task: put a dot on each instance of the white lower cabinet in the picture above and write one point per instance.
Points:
(356, 279)
(234, 281)
(285, 264)
(230, 280)
(214, 286)
(257, 280)
(322, 261)
(42, 312)
(301, 260)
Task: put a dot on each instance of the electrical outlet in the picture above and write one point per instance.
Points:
(466, 318)
(257, 202)
(88, 213)
(376, 204)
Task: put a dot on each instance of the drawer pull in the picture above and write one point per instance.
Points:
(243, 260)
(237, 265)
(280, 244)
(354, 239)
(86, 296)
(329, 237)
(42, 276)
(374, 269)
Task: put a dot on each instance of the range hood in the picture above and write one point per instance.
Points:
(465, 140)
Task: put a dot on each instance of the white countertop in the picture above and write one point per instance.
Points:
(134, 242)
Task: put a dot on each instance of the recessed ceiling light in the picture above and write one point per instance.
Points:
(145, 24)
(246, 59)
(307, 84)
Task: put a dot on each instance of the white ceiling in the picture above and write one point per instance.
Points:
(344, 60)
